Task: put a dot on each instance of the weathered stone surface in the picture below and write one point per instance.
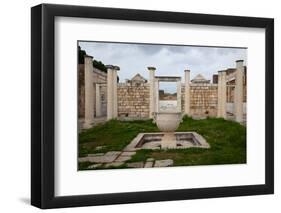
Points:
(114, 164)
(133, 100)
(100, 147)
(123, 158)
(128, 153)
(93, 166)
(203, 100)
(152, 145)
(99, 158)
(113, 153)
(95, 155)
(83, 159)
(148, 164)
(136, 164)
(163, 163)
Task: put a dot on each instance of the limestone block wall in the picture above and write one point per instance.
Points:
(133, 100)
(203, 100)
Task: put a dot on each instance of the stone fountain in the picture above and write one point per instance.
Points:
(167, 121)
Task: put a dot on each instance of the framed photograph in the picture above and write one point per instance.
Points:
(136, 106)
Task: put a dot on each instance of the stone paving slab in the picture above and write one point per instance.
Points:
(135, 165)
(93, 166)
(113, 153)
(95, 155)
(107, 158)
(99, 147)
(114, 164)
(122, 158)
(83, 159)
(128, 153)
(148, 164)
(163, 163)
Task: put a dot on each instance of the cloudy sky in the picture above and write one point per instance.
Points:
(168, 59)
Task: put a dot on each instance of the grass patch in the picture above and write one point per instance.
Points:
(114, 135)
(226, 138)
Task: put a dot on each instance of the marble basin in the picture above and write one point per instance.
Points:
(168, 121)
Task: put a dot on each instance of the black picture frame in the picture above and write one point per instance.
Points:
(43, 102)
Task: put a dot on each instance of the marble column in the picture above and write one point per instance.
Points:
(98, 101)
(115, 96)
(221, 95)
(179, 95)
(110, 71)
(187, 92)
(238, 91)
(151, 91)
(89, 92)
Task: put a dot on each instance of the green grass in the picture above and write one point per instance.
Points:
(226, 138)
(114, 135)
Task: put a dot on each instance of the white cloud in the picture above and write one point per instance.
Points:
(168, 59)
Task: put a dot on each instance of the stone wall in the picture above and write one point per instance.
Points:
(81, 91)
(133, 100)
(203, 100)
(230, 94)
(98, 77)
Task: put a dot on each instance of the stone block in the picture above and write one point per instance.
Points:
(148, 164)
(128, 153)
(95, 155)
(135, 165)
(114, 164)
(94, 166)
(122, 158)
(163, 163)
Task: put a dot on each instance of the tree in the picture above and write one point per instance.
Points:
(81, 54)
(99, 65)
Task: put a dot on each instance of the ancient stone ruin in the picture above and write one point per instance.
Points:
(102, 97)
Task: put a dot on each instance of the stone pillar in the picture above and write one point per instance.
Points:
(151, 91)
(89, 92)
(115, 96)
(110, 71)
(98, 101)
(238, 91)
(156, 98)
(221, 95)
(179, 96)
(187, 92)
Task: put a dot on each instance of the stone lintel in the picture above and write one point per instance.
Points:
(168, 78)
(117, 68)
(111, 67)
(239, 63)
(151, 68)
(88, 56)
